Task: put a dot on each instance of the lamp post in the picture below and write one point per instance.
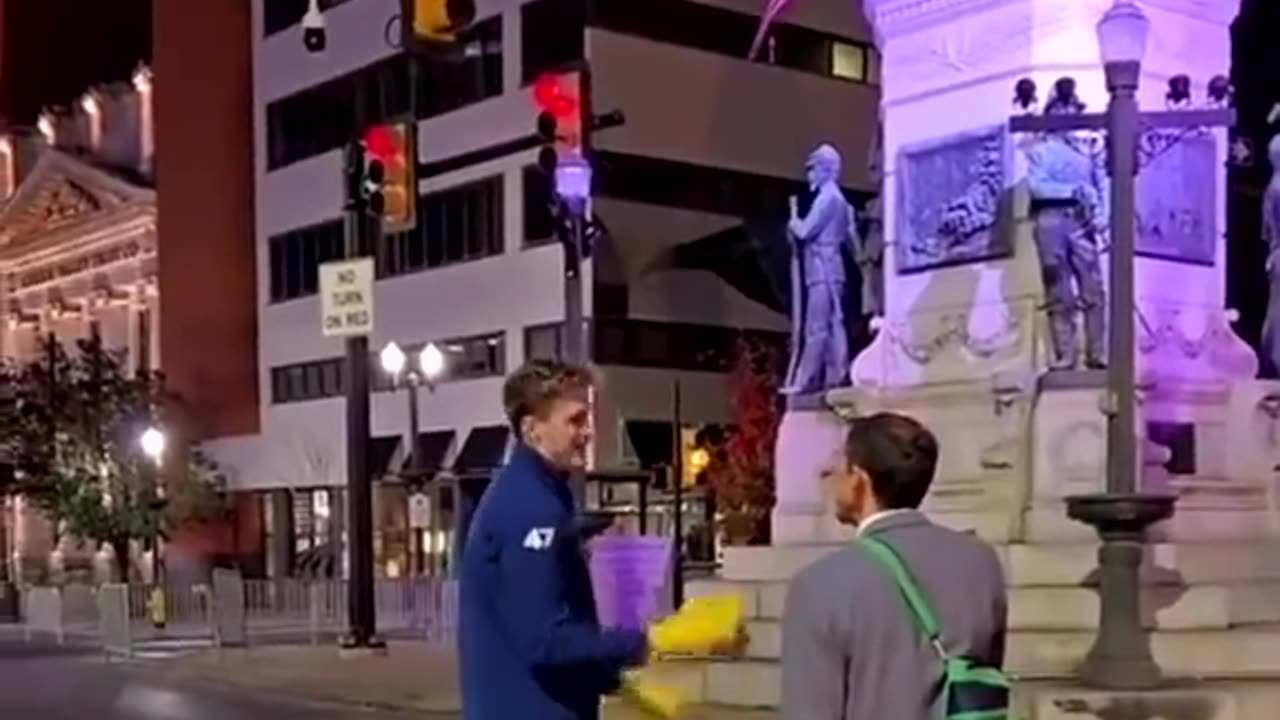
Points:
(573, 187)
(430, 364)
(1121, 655)
(153, 442)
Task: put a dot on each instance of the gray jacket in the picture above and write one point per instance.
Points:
(850, 650)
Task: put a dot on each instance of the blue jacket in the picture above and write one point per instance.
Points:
(529, 643)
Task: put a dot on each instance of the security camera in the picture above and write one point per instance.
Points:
(313, 32)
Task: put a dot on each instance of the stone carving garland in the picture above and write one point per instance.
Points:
(954, 330)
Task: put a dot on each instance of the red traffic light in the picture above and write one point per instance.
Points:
(380, 142)
(551, 96)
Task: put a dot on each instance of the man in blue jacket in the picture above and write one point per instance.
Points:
(531, 647)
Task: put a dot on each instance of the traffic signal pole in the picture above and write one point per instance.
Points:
(361, 615)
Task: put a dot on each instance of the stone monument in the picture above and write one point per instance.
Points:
(966, 346)
(1271, 236)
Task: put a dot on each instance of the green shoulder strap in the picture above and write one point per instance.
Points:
(918, 605)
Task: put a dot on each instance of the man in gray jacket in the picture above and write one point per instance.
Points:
(850, 650)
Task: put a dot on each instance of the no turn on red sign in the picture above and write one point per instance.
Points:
(346, 297)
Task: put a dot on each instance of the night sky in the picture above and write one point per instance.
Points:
(53, 50)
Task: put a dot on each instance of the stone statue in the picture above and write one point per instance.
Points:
(1067, 204)
(868, 246)
(1271, 235)
(819, 339)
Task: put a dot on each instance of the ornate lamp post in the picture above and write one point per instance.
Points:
(429, 367)
(153, 442)
(1121, 655)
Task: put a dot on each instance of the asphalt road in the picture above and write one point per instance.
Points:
(52, 683)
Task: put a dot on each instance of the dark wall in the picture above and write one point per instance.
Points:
(204, 170)
(1255, 57)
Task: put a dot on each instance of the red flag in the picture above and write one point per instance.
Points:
(771, 12)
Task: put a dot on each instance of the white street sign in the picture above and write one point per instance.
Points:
(419, 511)
(346, 297)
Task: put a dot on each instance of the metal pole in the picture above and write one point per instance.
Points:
(677, 490)
(1122, 136)
(361, 234)
(415, 467)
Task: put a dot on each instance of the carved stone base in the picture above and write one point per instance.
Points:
(810, 438)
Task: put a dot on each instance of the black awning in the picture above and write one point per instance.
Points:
(434, 446)
(381, 452)
(485, 449)
(651, 439)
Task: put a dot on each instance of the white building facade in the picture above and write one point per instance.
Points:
(711, 142)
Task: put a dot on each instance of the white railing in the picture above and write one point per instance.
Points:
(282, 610)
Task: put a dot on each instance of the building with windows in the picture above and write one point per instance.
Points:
(712, 147)
(78, 252)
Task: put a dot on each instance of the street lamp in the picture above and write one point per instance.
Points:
(153, 442)
(430, 365)
(1121, 654)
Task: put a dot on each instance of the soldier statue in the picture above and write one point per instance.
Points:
(819, 339)
(1271, 235)
(868, 253)
(1070, 224)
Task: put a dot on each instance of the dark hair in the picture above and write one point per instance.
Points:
(897, 453)
(537, 384)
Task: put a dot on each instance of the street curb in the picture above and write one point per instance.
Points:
(295, 698)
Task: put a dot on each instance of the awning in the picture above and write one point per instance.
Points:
(484, 450)
(381, 451)
(434, 446)
(652, 441)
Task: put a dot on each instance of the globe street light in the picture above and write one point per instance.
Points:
(153, 443)
(430, 366)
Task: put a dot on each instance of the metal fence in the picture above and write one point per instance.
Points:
(119, 617)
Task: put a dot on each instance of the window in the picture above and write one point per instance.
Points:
(322, 118)
(683, 23)
(848, 61)
(454, 225)
(677, 346)
(278, 15)
(543, 342)
(466, 358)
(539, 224)
(295, 258)
(144, 339)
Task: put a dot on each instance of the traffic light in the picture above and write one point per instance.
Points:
(559, 123)
(439, 21)
(390, 149)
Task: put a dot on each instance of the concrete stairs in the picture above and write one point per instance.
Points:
(1214, 609)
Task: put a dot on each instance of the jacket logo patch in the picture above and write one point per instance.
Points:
(539, 538)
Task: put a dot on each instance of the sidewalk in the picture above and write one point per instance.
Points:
(412, 676)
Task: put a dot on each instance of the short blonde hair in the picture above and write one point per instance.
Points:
(532, 388)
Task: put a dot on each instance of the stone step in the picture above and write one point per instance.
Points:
(1240, 654)
(1166, 607)
(754, 686)
(1049, 564)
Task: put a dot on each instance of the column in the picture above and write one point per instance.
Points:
(281, 549)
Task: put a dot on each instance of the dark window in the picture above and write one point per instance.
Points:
(455, 225)
(278, 15)
(551, 35)
(296, 257)
(677, 346)
(465, 358)
(539, 225)
(543, 342)
(322, 118)
(475, 357)
(679, 22)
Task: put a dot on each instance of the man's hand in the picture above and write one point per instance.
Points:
(794, 203)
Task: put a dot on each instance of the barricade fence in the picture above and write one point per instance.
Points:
(281, 610)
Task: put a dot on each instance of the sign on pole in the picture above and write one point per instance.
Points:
(346, 297)
(419, 511)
